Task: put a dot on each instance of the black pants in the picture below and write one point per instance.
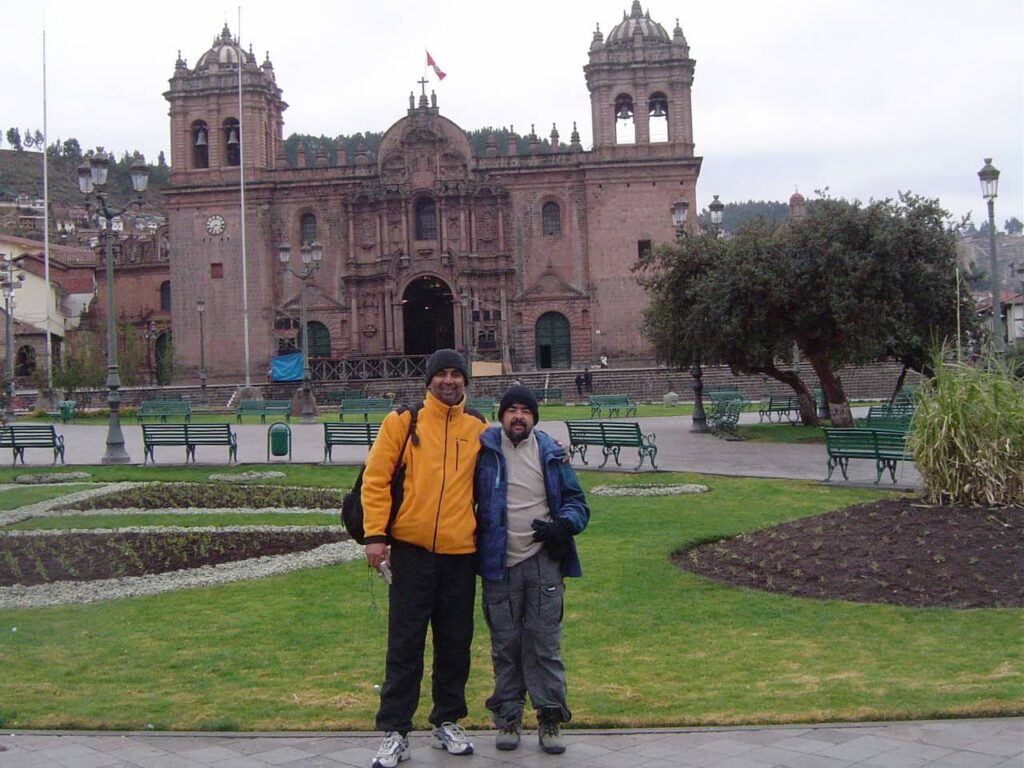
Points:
(439, 591)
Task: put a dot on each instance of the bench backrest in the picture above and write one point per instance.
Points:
(548, 394)
(340, 431)
(368, 402)
(621, 432)
(212, 432)
(609, 399)
(724, 394)
(28, 435)
(163, 432)
(167, 406)
(862, 439)
(585, 432)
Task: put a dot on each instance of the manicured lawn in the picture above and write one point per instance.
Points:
(645, 643)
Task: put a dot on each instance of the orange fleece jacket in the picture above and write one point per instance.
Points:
(437, 508)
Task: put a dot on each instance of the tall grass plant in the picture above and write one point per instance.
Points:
(968, 434)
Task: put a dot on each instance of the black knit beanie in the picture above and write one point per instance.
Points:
(517, 393)
(446, 358)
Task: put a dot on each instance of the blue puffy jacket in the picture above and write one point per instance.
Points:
(565, 502)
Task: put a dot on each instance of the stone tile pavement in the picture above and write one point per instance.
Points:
(994, 743)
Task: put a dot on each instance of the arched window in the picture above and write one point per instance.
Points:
(625, 128)
(551, 219)
(200, 145)
(319, 339)
(426, 219)
(25, 361)
(657, 110)
(232, 142)
(307, 228)
(165, 296)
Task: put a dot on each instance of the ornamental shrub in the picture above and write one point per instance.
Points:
(968, 434)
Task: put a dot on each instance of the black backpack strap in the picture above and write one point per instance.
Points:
(475, 412)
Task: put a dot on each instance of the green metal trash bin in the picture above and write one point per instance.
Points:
(279, 440)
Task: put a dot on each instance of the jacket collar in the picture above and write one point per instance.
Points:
(434, 406)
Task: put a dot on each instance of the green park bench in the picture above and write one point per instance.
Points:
(612, 437)
(886, 447)
(895, 416)
(348, 434)
(366, 406)
(164, 409)
(484, 405)
(18, 437)
(263, 408)
(338, 396)
(63, 410)
(724, 416)
(725, 394)
(188, 435)
(780, 407)
(614, 404)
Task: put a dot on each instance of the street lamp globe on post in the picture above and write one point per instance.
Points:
(201, 310)
(989, 177)
(679, 209)
(92, 179)
(312, 256)
(717, 210)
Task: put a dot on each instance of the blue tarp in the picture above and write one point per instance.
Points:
(286, 367)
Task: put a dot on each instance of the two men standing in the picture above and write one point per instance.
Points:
(529, 507)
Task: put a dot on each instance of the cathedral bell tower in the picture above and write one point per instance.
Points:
(207, 132)
(639, 80)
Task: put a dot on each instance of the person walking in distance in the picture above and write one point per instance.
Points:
(430, 550)
(529, 508)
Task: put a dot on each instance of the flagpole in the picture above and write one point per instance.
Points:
(46, 224)
(241, 186)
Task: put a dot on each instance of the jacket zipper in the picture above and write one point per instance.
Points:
(444, 472)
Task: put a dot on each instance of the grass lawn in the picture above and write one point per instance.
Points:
(645, 644)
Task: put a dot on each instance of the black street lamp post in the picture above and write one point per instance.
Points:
(700, 420)
(92, 178)
(312, 255)
(989, 177)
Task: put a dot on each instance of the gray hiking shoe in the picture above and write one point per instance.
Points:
(393, 750)
(508, 736)
(450, 737)
(550, 736)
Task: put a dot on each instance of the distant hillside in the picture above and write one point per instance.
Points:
(21, 174)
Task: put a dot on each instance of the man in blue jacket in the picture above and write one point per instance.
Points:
(529, 508)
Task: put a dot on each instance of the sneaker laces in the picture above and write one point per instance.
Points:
(454, 732)
(393, 742)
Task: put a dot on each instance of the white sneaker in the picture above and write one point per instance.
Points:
(393, 750)
(450, 737)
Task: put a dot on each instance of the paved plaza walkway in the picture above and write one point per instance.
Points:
(678, 450)
(976, 743)
(995, 743)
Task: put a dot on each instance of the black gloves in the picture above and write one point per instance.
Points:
(555, 535)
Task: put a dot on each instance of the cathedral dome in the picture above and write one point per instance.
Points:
(225, 52)
(637, 21)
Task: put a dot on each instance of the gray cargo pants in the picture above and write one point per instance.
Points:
(524, 615)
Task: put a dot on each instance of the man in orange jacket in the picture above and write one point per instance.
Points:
(430, 550)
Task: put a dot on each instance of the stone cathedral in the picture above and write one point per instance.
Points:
(523, 258)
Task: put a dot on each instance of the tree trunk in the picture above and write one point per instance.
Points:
(899, 384)
(838, 407)
(808, 411)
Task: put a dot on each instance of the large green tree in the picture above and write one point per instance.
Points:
(846, 284)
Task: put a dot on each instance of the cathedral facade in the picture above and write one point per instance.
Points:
(523, 258)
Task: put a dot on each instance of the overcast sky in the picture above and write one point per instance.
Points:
(867, 98)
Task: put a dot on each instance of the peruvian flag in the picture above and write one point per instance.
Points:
(433, 65)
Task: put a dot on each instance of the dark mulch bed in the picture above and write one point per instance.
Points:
(79, 556)
(897, 551)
